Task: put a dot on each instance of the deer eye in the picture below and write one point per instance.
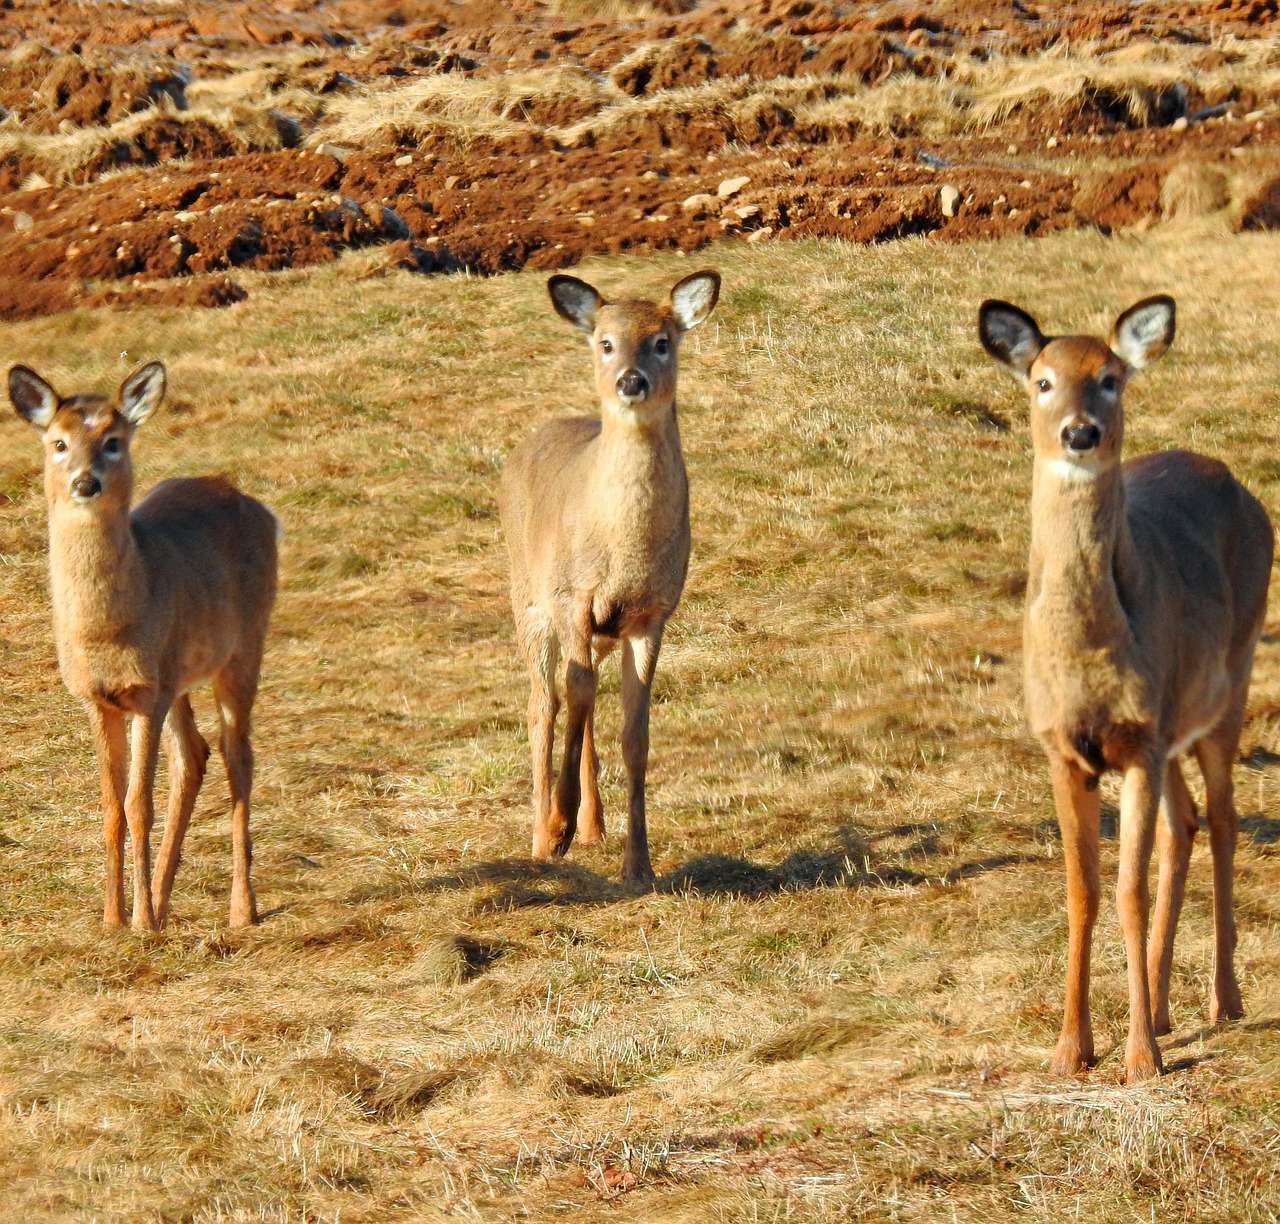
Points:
(59, 445)
(1109, 382)
(661, 346)
(1042, 385)
(606, 346)
(112, 446)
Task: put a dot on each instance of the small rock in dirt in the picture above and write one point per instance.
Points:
(451, 182)
(406, 160)
(650, 176)
(746, 211)
(1180, 124)
(22, 221)
(392, 224)
(187, 215)
(731, 186)
(698, 201)
(337, 152)
(1051, 143)
(761, 234)
(950, 200)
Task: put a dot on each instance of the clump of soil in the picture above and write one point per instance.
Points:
(1194, 189)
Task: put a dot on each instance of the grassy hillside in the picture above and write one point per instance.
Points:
(840, 1000)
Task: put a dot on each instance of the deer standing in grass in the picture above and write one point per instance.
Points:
(146, 604)
(1146, 594)
(596, 515)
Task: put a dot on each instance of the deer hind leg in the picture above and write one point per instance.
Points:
(1139, 806)
(542, 653)
(1216, 756)
(590, 809)
(580, 698)
(139, 806)
(1175, 831)
(188, 759)
(1078, 807)
(113, 766)
(234, 689)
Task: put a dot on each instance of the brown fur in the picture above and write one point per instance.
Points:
(1147, 589)
(147, 604)
(596, 515)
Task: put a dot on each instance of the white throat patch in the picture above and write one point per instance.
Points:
(1074, 471)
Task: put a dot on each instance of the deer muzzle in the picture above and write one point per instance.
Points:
(1081, 437)
(85, 486)
(632, 386)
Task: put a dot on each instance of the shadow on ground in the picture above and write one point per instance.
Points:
(849, 864)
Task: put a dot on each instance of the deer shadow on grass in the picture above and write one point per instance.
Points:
(851, 863)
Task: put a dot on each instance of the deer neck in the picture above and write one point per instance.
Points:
(1080, 548)
(96, 572)
(639, 475)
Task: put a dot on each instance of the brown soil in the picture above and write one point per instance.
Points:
(179, 199)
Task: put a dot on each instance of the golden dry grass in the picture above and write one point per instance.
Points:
(839, 1002)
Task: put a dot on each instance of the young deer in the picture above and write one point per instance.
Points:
(1146, 593)
(147, 604)
(596, 515)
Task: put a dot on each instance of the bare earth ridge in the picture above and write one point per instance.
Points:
(148, 151)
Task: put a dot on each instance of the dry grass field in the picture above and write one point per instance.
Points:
(839, 1001)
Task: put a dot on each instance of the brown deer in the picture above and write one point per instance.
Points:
(1146, 594)
(596, 515)
(147, 604)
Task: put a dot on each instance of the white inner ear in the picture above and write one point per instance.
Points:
(1012, 334)
(579, 301)
(692, 302)
(35, 399)
(141, 394)
(1142, 336)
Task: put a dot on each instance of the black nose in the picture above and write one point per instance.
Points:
(1081, 437)
(86, 485)
(632, 384)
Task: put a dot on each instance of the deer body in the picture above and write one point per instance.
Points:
(149, 602)
(1146, 594)
(596, 515)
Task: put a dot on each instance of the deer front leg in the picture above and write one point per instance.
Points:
(542, 653)
(1139, 805)
(1175, 831)
(580, 698)
(1078, 807)
(113, 765)
(639, 662)
(139, 804)
(188, 759)
(590, 809)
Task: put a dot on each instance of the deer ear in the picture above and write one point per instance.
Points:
(141, 392)
(575, 301)
(1010, 335)
(34, 400)
(695, 297)
(1145, 331)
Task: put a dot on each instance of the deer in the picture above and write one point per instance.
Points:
(148, 602)
(1146, 595)
(595, 511)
